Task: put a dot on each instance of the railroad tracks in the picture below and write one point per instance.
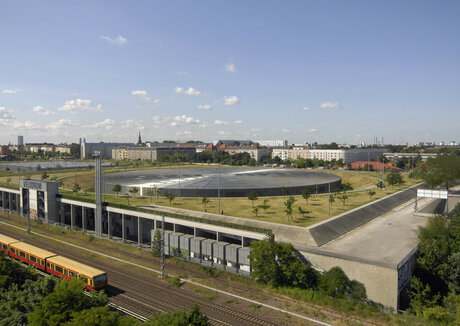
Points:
(144, 307)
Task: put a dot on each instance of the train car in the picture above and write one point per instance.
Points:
(67, 268)
(30, 254)
(5, 242)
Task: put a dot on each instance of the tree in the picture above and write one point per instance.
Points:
(346, 186)
(277, 264)
(134, 190)
(334, 283)
(179, 318)
(170, 196)
(8, 180)
(343, 196)
(265, 205)
(156, 243)
(205, 201)
(288, 204)
(76, 188)
(331, 199)
(371, 193)
(394, 178)
(306, 194)
(44, 175)
(303, 211)
(58, 307)
(116, 188)
(255, 210)
(420, 296)
(441, 171)
(252, 197)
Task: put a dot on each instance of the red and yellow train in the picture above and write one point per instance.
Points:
(52, 263)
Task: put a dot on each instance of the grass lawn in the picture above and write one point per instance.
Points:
(317, 206)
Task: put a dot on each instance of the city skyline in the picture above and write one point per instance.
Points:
(321, 72)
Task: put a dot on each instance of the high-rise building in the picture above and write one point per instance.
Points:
(20, 141)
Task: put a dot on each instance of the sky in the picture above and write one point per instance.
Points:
(304, 71)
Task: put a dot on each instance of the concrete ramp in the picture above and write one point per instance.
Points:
(326, 231)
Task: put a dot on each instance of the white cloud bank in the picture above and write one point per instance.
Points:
(330, 105)
(80, 105)
(230, 67)
(10, 91)
(143, 96)
(231, 100)
(206, 107)
(220, 123)
(189, 91)
(41, 111)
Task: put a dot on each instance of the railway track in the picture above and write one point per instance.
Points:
(129, 302)
(145, 295)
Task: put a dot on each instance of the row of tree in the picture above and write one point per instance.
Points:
(279, 264)
(435, 287)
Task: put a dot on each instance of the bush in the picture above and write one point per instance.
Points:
(175, 281)
(436, 313)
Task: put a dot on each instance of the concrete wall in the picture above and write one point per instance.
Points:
(381, 282)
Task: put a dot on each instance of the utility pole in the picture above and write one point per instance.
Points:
(179, 177)
(162, 246)
(329, 182)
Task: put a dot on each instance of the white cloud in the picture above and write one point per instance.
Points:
(132, 124)
(223, 133)
(182, 72)
(139, 93)
(60, 124)
(5, 116)
(106, 124)
(220, 123)
(10, 91)
(255, 129)
(189, 91)
(184, 133)
(330, 105)
(41, 111)
(230, 67)
(119, 41)
(286, 130)
(238, 122)
(157, 119)
(231, 100)
(80, 105)
(174, 124)
(143, 96)
(187, 120)
(312, 130)
(204, 107)
(305, 108)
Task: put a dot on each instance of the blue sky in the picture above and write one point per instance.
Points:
(305, 71)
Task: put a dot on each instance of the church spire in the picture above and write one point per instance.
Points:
(139, 142)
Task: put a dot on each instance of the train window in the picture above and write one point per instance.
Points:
(13, 251)
(47, 265)
(22, 254)
(42, 262)
(5, 247)
(100, 279)
(58, 269)
(32, 258)
(72, 274)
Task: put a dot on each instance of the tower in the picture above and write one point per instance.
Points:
(139, 142)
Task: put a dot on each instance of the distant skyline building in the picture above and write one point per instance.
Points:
(272, 143)
(20, 140)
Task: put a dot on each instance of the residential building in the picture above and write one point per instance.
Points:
(272, 143)
(281, 152)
